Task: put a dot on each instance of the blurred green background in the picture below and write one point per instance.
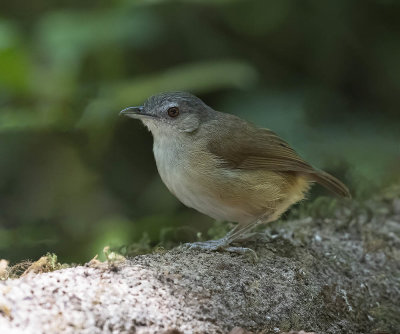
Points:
(75, 177)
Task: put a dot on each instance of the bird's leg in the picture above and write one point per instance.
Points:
(212, 244)
(224, 243)
(236, 233)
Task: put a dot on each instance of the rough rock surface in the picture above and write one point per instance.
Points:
(336, 275)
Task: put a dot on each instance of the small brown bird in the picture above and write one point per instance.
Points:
(224, 166)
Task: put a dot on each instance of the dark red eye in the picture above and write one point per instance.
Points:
(173, 112)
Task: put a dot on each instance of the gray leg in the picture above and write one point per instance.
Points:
(241, 231)
(221, 245)
(224, 243)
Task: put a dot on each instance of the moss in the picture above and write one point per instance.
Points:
(143, 246)
(3, 270)
(112, 256)
(45, 264)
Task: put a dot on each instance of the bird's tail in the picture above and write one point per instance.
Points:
(331, 183)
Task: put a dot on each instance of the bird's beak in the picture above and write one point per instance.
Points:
(134, 112)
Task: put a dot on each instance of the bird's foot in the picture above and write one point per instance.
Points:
(221, 245)
(211, 245)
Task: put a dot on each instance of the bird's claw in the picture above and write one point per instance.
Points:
(211, 245)
(221, 245)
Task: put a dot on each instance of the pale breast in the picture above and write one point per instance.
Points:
(190, 176)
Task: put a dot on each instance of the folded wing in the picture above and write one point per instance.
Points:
(262, 149)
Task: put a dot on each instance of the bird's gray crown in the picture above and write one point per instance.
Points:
(184, 100)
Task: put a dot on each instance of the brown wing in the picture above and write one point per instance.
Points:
(263, 149)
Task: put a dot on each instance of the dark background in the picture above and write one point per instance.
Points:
(75, 177)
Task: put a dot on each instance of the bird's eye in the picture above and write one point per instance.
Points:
(173, 111)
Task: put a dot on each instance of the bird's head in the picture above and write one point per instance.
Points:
(172, 112)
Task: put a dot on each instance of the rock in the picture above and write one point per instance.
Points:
(312, 276)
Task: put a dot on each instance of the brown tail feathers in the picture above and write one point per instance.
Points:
(331, 183)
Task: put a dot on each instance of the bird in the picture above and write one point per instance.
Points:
(225, 167)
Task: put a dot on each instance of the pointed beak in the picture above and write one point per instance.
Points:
(132, 112)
